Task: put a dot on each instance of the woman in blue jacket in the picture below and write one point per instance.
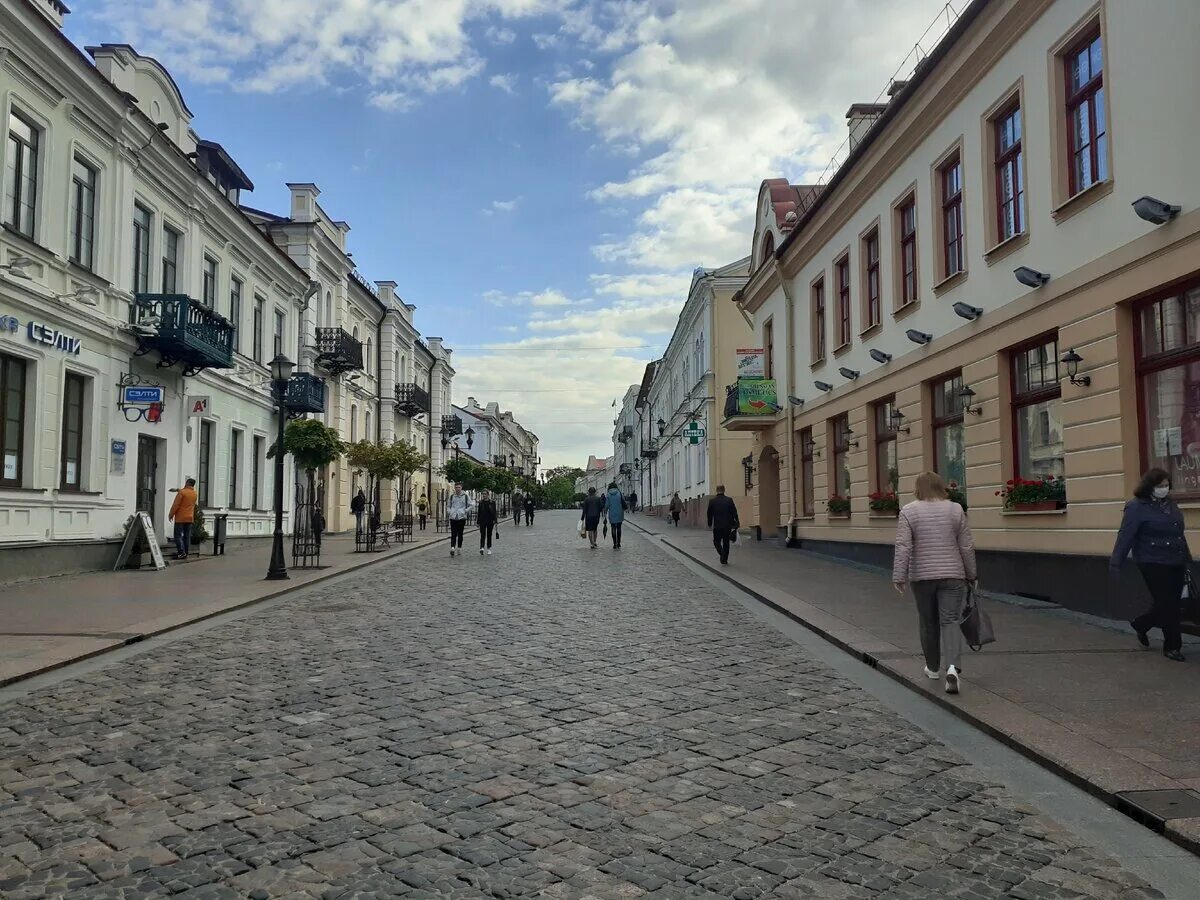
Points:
(1153, 529)
(614, 508)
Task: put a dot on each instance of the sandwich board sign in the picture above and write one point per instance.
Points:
(141, 524)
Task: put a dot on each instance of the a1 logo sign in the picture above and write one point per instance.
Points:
(199, 406)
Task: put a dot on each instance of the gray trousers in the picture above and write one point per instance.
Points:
(940, 606)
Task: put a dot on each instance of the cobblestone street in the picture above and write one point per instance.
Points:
(548, 721)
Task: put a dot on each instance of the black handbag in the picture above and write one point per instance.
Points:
(976, 624)
(1189, 601)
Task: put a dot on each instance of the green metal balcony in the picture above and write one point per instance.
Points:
(182, 330)
(305, 394)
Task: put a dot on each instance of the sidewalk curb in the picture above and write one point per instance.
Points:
(1110, 798)
(167, 629)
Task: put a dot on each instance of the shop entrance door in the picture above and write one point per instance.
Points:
(147, 475)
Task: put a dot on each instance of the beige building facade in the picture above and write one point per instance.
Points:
(1002, 281)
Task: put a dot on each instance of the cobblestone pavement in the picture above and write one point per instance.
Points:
(547, 721)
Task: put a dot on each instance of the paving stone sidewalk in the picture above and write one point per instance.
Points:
(548, 721)
(1076, 693)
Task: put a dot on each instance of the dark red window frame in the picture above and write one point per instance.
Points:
(807, 472)
(1187, 352)
(884, 434)
(841, 452)
(950, 180)
(1088, 97)
(947, 418)
(871, 253)
(1030, 397)
(1010, 161)
(818, 309)
(843, 275)
(907, 213)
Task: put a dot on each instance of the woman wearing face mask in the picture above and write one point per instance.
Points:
(1152, 528)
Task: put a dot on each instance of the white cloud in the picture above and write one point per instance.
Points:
(506, 83)
(502, 206)
(394, 50)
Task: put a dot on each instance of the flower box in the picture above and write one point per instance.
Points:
(1040, 506)
(839, 515)
(1044, 494)
(884, 503)
(885, 514)
(839, 506)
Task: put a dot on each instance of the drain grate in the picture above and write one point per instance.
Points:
(1156, 807)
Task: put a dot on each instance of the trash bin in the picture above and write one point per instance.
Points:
(220, 526)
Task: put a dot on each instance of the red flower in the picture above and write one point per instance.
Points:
(1011, 482)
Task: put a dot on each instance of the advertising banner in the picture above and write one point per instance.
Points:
(751, 362)
(756, 397)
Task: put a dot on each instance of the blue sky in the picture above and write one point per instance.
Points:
(537, 175)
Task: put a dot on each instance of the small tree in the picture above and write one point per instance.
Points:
(459, 470)
(311, 443)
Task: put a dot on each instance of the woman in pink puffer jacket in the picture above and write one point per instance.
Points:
(935, 553)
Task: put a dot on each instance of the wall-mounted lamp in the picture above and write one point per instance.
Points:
(918, 337)
(809, 448)
(966, 395)
(795, 401)
(1071, 360)
(1031, 277)
(17, 266)
(848, 373)
(1154, 211)
(848, 434)
(823, 386)
(662, 426)
(880, 357)
(967, 311)
(896, 422)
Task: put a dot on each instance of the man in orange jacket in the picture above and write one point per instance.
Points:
(183, 512)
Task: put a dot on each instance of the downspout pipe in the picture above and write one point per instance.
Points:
(791, 392)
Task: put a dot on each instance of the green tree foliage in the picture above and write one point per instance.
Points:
(459, 470)
(311, 443)
(385, 462)
(570, 472)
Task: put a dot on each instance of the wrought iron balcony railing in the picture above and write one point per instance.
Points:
(451, 425)
(412, 399)
(182, 330)
(731, 401)
(305, 394)
(338, 352)
(626, 434)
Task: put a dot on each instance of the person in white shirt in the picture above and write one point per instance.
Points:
(457, 508)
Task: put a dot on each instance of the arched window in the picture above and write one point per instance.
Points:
(768, 246)
(403, 369)
(328, 308)
(397, 372)
(354, 334)
(353, 422)
(367, 428)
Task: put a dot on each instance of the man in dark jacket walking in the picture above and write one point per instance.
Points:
(593, 509)
(723, 520)
(488, 519)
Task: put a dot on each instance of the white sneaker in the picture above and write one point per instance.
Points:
(951, 680)
(931, 674)
(489, 551)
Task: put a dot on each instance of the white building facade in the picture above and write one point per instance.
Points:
(125, 263)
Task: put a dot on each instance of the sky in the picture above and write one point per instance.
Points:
(540, 177)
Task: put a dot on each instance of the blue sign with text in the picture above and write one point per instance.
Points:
(141, 396)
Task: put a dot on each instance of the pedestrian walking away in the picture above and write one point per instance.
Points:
(318, 527)
(675, 508)
(529, 507)
(614, 508)
(593, 509)
(458, 507)
(358, 506)
(633, 501)
(724, 522)
(487, 516)
(183, 513)
(518, 507)
(1152, 528)
(422, 510)
(935, 554)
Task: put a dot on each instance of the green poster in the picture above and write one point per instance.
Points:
(756, 397)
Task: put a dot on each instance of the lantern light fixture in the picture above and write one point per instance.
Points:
(1071, 360)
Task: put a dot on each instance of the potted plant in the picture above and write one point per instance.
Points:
(839, 507)
(884, 503)
(957, 494)
(1034, 495)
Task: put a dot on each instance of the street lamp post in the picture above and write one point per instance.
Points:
(281, 373)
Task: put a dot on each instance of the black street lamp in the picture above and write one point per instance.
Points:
(470, 437)
(281, 373)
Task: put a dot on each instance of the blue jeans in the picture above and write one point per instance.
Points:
(183, 538)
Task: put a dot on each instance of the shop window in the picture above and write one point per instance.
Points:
(1168, 346)
(71, 462)
(204, 476)
(256, 463)
(887, 455)
(807, 452)
(1037, 410)
(841, 456)
(949, 447)
(13, 372)
(235, 466)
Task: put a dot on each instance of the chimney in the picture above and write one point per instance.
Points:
(304, 201)
(860, 117)
(897, 86)
(52, 10)
(471, 403)
(387, 292)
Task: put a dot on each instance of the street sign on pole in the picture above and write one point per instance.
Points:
(694, 432)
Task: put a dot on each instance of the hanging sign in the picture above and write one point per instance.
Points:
(694, 432)
(199, 406)
(141, 396)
